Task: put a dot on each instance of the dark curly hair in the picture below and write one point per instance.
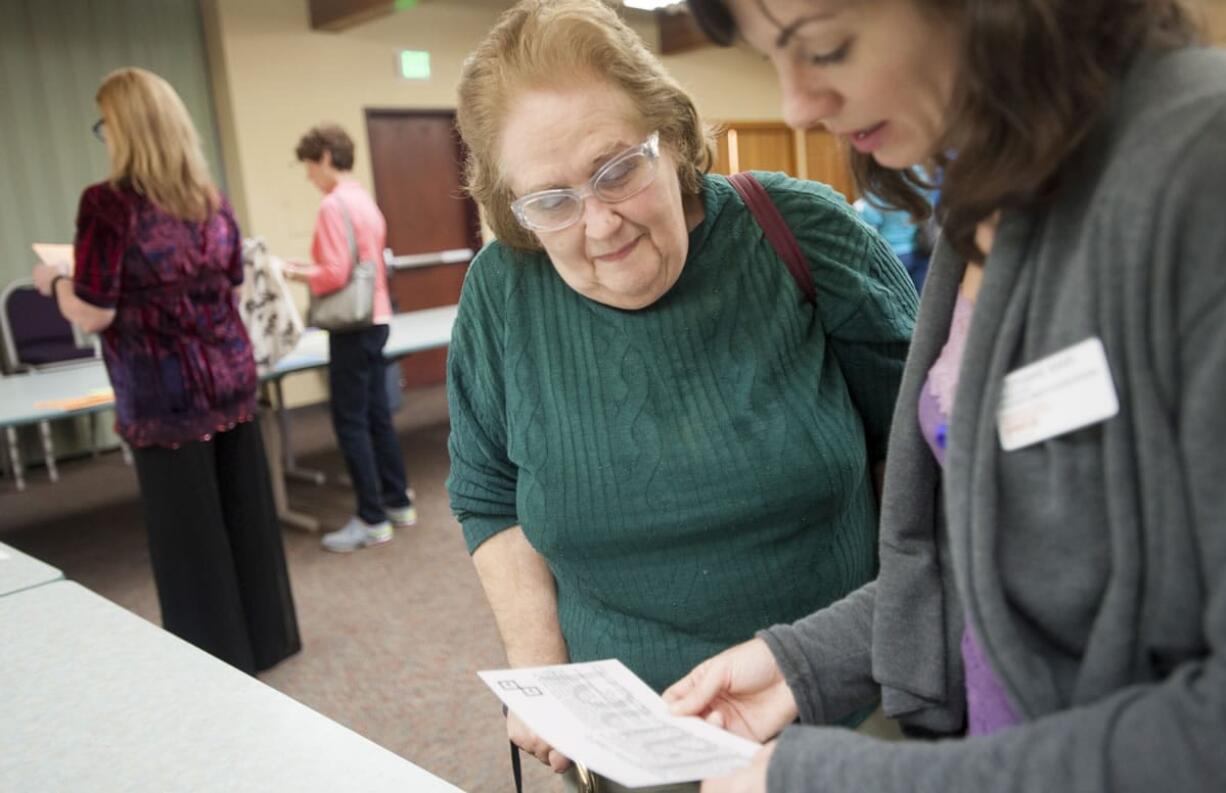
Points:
(330, 138)
(1036, 77)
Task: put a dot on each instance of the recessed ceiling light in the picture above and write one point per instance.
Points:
(649, 5)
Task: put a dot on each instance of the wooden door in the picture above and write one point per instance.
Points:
(772, 146)
(417, 160)
(826, 159)
(755, 146)
(765, 146)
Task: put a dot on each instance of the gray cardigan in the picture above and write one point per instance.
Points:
(1092, 566)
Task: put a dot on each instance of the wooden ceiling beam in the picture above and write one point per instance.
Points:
(337, 15)
(678, 31)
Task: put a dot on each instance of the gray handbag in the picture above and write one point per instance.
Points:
(352, 307)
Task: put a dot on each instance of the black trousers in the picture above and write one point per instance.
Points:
(362, 420)
(216, 548)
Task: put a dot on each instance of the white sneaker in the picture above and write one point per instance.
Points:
(357, 534)
(402, 517)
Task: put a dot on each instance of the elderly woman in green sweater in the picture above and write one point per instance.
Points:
(657, 445)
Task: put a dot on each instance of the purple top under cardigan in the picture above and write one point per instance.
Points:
(988, 709)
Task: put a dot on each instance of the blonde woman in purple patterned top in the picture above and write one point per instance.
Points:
(158, 257)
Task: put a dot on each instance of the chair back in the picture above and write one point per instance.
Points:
(36, 335)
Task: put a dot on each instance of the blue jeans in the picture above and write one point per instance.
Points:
(357, 376)
(917, 268)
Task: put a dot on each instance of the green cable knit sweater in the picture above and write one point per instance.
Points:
(698, 469)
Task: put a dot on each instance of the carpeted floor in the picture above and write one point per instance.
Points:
(392, 636)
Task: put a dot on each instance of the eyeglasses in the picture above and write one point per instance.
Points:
(99, 129)
(621, 178)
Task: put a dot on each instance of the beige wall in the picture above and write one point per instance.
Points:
(1216, 17)
(273, 78)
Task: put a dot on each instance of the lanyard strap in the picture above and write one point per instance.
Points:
(517, 770)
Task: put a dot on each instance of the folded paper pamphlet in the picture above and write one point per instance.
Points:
(53, 253)
(602, 715)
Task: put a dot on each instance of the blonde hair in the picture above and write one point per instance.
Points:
(154, 146)
(543, 44)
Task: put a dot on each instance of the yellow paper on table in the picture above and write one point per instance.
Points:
(53, 253)
(100, 396)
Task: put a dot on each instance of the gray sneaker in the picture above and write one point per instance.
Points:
(356, 534)
(402, 517)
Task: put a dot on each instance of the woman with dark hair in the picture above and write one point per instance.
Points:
(350, 228)
(1053, 536)
(158, 254)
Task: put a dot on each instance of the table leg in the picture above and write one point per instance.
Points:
(44, 432)
(15, 457)
(288, 463)
(269, 429)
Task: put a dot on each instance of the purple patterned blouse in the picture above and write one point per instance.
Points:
(177, 353)
(988, 708)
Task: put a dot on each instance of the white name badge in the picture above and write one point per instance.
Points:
(1057, 394)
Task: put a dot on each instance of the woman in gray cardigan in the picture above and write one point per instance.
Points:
(1052, 589)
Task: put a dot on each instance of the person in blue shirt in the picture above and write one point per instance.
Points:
(911, 241)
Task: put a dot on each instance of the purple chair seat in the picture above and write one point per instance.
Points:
(42, 352)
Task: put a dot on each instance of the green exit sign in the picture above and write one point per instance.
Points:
(413, 64)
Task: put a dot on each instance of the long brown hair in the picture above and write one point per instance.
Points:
(1036, 77)
(154, 146)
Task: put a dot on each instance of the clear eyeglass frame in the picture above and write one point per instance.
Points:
(522, 207)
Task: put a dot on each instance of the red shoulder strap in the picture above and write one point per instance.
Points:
(776, 229)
